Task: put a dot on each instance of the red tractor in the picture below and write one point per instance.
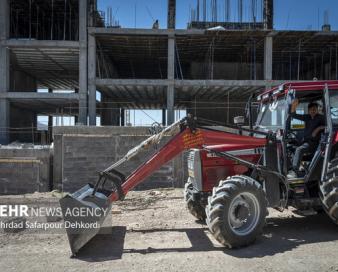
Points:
(234, 176)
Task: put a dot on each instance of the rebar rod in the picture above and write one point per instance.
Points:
(52, 21)
(30, 19)
(64, 20)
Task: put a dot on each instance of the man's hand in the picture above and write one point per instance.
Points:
(294, 105)
(317, 130)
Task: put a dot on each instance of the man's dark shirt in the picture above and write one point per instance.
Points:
(310, 125)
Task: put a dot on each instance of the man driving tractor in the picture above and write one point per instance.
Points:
(314, 125)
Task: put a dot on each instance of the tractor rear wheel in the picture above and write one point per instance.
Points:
(329, 191)
(194, 207)
(236, 211)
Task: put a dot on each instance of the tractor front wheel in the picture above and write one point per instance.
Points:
(194, 207)
(236, 211)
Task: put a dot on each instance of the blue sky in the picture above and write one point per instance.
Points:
(289, 14)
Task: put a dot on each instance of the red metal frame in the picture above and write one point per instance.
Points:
(306, 86)
(183, 141)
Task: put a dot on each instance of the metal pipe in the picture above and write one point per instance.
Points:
(298, 71)
(336, 61)
(330, 63)
(290, 67)
(30, 19)
(70, 21)
(43, 25)
(64, 20)
(322, 66)
(52, 21)
(37, 22)
(17, 24)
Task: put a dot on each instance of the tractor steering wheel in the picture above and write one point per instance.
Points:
(291, 137)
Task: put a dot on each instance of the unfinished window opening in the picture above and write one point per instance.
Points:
(305, 55)
(226, 55)
(44, 19)
(132, 57)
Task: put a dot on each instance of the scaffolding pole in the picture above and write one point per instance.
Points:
(52, 21)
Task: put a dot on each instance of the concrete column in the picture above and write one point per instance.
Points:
(268, 53)
(171, 77)
(4, 72)
(83, 84)
(110, 116)
(92, 80)
(164, 121)
(171, 14)
(170, 104)
(268, 14)
(4, 19)
(122, 118)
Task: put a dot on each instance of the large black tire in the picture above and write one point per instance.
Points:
(329, 191)
(237, 200)
(194, 207)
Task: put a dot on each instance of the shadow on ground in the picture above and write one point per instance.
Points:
(105, 246)
(280, 235)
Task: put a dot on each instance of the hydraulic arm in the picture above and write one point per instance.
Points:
(185, 135)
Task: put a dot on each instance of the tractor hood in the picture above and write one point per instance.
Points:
(231, 142)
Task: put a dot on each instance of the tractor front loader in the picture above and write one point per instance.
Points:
(185, 135)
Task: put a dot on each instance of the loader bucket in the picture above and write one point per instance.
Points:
(84, 213)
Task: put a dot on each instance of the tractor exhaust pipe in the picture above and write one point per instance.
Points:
(84, 213)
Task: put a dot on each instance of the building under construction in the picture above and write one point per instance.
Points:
(56, 54)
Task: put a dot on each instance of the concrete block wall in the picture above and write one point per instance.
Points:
(80, 152)
(25, 170)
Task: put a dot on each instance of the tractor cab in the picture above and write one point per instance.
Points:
(274, 115)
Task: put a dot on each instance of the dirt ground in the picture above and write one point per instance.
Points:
(153, 231)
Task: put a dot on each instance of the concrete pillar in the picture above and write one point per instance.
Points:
(171, 77)
(268, 14)
(268, 53)
(164, 121)
(110, 114)
(171, 14)
(83, 84)
(4, 72)
(92, 80)
(122, 118)
(4, 19)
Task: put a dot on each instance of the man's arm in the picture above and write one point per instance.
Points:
(320, 128)
(317, 130)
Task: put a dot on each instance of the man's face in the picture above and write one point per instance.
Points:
(313, 111)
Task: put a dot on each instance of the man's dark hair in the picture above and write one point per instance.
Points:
(312, 105)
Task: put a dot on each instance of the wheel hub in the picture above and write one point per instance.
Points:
(244, 213)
